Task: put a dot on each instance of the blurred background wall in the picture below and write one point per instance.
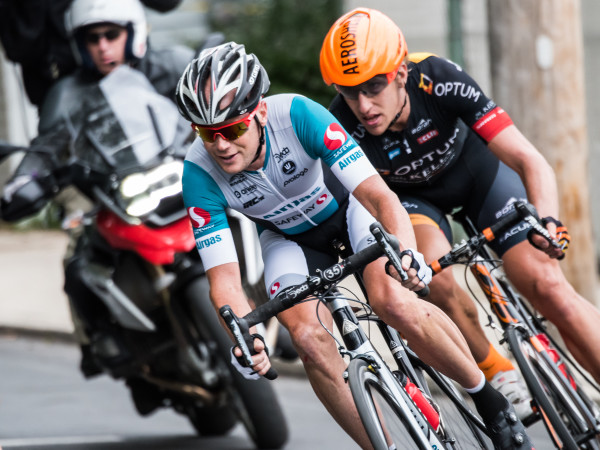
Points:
(286, 35)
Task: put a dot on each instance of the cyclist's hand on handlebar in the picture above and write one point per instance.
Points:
(418, 272)
(261, 362)
(558, 232)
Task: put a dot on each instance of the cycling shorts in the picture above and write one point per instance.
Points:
(478, 184)
(289, 259)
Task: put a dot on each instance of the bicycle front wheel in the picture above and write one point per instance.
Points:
(553, 402)
(381, 413)
(459, 424)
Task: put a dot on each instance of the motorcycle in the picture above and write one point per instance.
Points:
(135, 280)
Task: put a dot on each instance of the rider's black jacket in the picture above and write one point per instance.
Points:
(35, 182)
(33, 34)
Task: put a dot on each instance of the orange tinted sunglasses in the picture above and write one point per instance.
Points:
(229, 132)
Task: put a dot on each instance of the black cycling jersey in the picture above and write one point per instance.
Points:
(440, 160)
(445, 102)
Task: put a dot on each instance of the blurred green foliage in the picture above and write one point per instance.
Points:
(286, 35)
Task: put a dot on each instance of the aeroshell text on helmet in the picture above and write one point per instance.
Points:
(348, 45)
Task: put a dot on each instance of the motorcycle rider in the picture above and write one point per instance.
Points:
(34, 35)
(106, 34)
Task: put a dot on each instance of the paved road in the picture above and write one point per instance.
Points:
(46, 404)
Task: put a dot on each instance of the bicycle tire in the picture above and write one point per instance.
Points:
(454, 413)
(375, 404)
(538, 377)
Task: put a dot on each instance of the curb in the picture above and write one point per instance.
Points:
(60, 336)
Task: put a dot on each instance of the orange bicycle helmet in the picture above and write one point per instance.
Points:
(359, 45)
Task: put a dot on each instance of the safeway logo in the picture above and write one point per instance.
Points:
(335, 136)
(275, 287)
(321, 199)
(199, 217)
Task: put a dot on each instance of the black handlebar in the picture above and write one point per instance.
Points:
(387, 245)
(461, 254)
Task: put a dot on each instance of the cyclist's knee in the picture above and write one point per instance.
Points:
(446, 293)
(311, 341)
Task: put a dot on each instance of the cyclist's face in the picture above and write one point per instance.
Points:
(377, 105)
(236, 155)
(106, 46)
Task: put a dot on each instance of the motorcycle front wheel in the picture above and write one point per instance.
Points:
(255, 401)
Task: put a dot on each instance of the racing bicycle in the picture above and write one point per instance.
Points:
(411, 405)
(558, 399)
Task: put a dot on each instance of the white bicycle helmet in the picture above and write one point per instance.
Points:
(126, 13)
(230, 68)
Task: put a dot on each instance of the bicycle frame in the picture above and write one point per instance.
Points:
(508, 306)
(357, 343)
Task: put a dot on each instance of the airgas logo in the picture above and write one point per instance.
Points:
(199, 217)
(335, 136)
(205, 243)
(350, 159)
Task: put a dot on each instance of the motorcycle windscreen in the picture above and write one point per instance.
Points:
(127, 122)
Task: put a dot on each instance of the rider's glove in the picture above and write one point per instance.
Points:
(418, 263)
(562, 235)
(424, 272)
(240, 363)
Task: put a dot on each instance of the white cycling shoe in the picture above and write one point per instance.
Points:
(511, 385)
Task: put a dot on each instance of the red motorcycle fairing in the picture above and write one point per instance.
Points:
(155, 245)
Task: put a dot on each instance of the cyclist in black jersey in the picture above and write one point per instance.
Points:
(440, 143)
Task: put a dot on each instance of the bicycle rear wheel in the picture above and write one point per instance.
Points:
(557, 405)
(381, 413)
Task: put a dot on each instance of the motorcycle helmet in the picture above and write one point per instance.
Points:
(359, 45)
(231, 69)
(126, 13)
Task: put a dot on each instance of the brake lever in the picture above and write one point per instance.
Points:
(390, 246)
(243, 338)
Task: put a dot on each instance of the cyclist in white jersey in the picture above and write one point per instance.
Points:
(304, 181)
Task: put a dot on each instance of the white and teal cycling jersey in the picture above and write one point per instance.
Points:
(311, 165)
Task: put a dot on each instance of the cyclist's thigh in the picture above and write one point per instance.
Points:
(485, 208)
(287, 263)
(422, 212)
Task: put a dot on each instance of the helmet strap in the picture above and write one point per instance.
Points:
(261, 140)
(395, 119)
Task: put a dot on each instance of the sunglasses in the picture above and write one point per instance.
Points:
(369, 88)
(229, 132)
(110, 35)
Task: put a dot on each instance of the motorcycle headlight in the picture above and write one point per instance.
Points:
(141, 193)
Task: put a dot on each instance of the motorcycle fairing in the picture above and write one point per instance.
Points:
(155, 245)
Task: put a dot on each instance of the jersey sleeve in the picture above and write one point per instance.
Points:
(323, 137)
(206, 208)
(457, 92)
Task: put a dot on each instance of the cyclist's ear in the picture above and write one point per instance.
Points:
(261, 113)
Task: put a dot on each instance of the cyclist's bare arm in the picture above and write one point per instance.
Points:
(515, 150)
(385, 206)
(226, 289)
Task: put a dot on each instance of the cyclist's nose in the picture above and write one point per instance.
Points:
(364, 103)
(221, 143)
